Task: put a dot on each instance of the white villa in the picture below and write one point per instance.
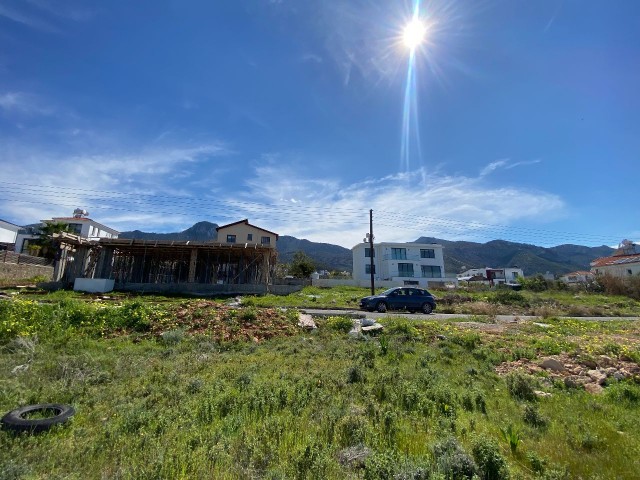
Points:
(79, 224)
(401, 263)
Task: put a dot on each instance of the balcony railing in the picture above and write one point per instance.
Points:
(413, 257)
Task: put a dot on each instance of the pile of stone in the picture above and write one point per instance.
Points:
(590, 374)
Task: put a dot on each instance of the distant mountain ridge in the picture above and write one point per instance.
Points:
(458, 255)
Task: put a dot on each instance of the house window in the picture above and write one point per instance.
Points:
(231, 239)
(367, 252)
(427, 253)
(249, 237)
(431, 271)
(75, 228)
(405, 269)
(367, 269)
(399, 254)
(265, 240)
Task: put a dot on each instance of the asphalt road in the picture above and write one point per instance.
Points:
(444, 316)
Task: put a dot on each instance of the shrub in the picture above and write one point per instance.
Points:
(533, 417)
(135, 315)
(355, 375)
(490, 461)
(624, 392)
(340, 324)
(509, 297)
(380, 466)
(403, 328)
(521, 386)
(453, 461)
(536, 283)
(352, 430)
(249, 314)
(172, 337)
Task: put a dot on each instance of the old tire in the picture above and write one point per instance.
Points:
(14, 420)
(427, 308)
(381, 307)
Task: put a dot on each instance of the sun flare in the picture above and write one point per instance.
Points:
(414, 33)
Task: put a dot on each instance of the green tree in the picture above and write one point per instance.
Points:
(301, 266)
(46, 242)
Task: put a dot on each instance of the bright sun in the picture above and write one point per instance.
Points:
(414, 33)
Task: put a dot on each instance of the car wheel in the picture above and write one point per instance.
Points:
(381, 307)
(427, 308)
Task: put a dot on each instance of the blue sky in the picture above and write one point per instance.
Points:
(153, 115)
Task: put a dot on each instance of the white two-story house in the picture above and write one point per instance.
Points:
(79, 224)
(401, 263)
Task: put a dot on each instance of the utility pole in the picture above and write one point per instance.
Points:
(371, 269)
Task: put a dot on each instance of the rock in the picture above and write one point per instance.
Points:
(610, 371)
(306, 321)
(618, 376)
(552, 364)
(367, 322)
(441, 337)
(376, 327)
(597, 376)
(605, 361)
(19, 369)
(573, 381)
(593, 388)
(540, 393)
(590, 364)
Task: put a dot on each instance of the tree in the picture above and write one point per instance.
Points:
(46, 242)
(302, 265)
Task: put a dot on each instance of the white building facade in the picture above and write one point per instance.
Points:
(489, 275)
(402, 263)
(625, 261)
(8, 232)
(78, 225)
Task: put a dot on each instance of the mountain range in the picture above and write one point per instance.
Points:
(458, 255)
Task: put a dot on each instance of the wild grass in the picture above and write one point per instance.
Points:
(181, 402)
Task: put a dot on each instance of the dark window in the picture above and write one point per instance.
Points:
(430, 271)
(367, 269)
(367, 252)
(399, 254)
(405, 269)
(427, 253)
(75, 228)
(231, 239)
(265, 240)
(249, 237)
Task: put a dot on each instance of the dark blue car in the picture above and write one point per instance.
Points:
(400, 298)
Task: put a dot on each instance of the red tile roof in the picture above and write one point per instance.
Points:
(616, 260)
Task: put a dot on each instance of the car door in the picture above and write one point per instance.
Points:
(396, 299)
(414, 298)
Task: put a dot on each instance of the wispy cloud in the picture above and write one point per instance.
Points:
(311, 57)
(406, 206)
(24, 104)
(27, 19)
(505, 164)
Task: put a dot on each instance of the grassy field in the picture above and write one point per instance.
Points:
(195, 388)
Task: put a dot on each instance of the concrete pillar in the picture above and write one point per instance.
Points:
(192, 265)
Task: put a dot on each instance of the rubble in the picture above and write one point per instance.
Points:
(574, 372)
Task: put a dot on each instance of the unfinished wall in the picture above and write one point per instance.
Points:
(11, 271)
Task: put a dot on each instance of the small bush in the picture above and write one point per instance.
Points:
(512, 436)
(536, 283)
(355, 375)
(521, 386)
(172, 337)
(340, 324)
(533, 417)
(509, 297)
(453, 461)
(249, 314)
(352, 430)
(490, 461)
(624, 392)
(538, 465)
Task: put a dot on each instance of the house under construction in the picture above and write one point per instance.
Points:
(241, 261)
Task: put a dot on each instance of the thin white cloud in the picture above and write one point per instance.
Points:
(405, 206)
(505, 164)
(24, 104)
(311, 57)
(28, 20)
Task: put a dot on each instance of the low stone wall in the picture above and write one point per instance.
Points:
(208, 289)
(11, 271)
